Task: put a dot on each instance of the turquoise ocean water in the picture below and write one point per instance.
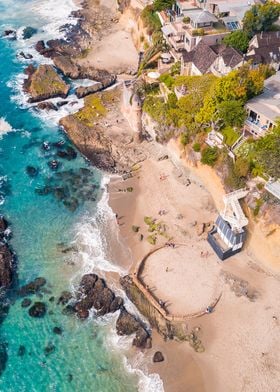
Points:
(84, 357)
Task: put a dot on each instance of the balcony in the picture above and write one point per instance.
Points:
(256, 128)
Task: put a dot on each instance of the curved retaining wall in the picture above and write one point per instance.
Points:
(168, 324)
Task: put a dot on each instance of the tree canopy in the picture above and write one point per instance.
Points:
(160, 5)
(238, 40)
(267, 152)
(260, 18)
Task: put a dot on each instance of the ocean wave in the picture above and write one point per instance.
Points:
(5, 127)
(134, 363)
(92, 237)
(58, 13)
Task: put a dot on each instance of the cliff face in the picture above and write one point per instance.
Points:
(91, 142)
(102, 134)
(44, 83)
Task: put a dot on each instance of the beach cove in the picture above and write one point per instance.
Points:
(108, 223)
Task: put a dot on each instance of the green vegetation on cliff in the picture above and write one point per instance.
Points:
(93, 108)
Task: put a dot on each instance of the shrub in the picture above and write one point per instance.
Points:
(186, 19)
(184, 139)
(209, 156)
(196, 147)
(198, 32)
(135, 228)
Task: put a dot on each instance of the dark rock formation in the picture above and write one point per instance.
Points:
(93, 292)
(57, 330)
(26, 56)
(28, 32)
(53, 164)
(21, 351)
(6, 266)
(38, 309)
(3, 225)
(49, 349)
(64, 298)
(10, 34)
(26, 303)
(47, 106)
(69, 153)
(32, 171)
(82, 92)
(158, 357)
(32, 287)
(3, 357)
(127, 324)
(44, 83)
(66, 66)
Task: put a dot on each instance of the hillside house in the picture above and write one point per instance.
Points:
(264, 48)
(264, 110)
(216, 59)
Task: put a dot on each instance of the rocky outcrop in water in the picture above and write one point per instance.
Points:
(44, 83)
(33, 287)
(7, 267)
(28, 32)
(94, 293)
(38, 310)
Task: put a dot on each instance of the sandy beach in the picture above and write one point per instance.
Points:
(240, 336)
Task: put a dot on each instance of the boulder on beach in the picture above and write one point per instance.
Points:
(127, 324)
(38, 310)
(44, 83)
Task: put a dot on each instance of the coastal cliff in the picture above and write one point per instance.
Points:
(102, 134)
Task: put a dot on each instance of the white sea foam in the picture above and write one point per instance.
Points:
(5, 127)
(137, 363)
(57, 13)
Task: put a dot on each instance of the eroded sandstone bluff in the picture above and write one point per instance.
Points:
(100, 131)
(94, 293)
